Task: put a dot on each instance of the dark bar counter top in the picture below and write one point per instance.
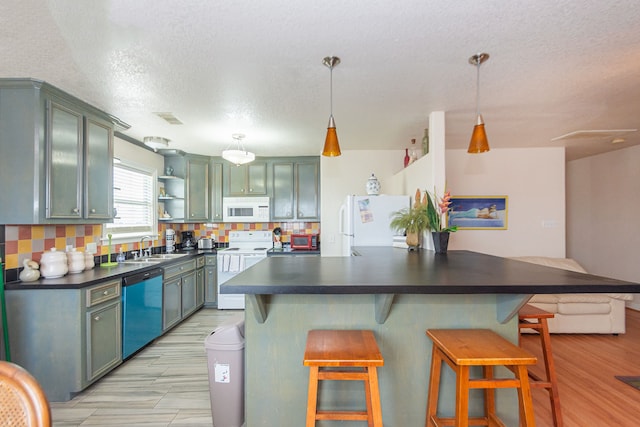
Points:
(383, 270)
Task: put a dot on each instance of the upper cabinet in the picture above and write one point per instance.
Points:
(246, 180)
(57, 156)
(296, 189)
(215, 185)
(186, 187)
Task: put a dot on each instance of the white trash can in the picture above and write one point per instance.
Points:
(225, 356)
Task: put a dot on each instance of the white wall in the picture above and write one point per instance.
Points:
(533, 179)
(603, 202)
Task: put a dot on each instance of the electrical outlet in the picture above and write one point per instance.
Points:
(92, 248)
(69, 248)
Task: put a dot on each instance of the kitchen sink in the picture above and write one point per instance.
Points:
(143, 261)
(167, 256)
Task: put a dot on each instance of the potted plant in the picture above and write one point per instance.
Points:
(413, 221)
(436, 209)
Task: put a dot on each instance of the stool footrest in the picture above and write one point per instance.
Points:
(342, 415)
(477, 421)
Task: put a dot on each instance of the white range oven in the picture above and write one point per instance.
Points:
(246, 248)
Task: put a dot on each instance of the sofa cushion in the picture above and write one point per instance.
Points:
(564, 263)
(584, 308)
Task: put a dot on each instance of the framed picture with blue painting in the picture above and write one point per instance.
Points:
(478, 212)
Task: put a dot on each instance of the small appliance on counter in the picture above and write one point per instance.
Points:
(277, 238)
(188, 241)
(206, 243)
(304, 241)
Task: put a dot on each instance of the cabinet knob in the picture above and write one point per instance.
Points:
(93, 211)
(97, 318)
(105, 293)
(75, 210)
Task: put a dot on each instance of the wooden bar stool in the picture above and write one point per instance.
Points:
(463, 348)
(531, 317)
(335, 349)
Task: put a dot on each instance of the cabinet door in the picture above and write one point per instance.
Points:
(216, 192)
(188, 293)
(98, 167)
(199, 287)
(210, 284)
(307, 184)
(104, 338)
(197, 190)
(64, 162)
(282, 201)
(171, 303)
(237, 180)
(257, 179)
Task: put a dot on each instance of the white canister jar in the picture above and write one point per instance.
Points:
(89, 262)
(75, 261)
(53, 264)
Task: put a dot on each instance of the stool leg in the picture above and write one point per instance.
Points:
(374, 407)
(367, 397)
(312, 398)
(434, 387)
(462, 396)
(489, 394)
(554, 397)
(525, 401)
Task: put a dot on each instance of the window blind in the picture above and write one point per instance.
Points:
(133, 199)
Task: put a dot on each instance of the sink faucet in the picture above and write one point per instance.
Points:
(148, 250)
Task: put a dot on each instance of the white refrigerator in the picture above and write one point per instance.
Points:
(364, 220)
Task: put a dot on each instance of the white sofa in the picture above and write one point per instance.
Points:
(580, 313)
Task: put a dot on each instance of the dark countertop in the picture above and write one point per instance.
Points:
(99, 274)
(287, 251)
(387, 270)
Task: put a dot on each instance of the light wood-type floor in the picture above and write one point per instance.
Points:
(590, 396)
(167, 384)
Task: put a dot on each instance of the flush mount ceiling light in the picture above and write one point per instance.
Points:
(479, 142)
(331, 146)
(156, 142)
(239, 156)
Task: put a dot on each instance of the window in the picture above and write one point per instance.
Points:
(133, 199)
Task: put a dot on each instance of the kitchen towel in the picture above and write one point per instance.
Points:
(234, 264)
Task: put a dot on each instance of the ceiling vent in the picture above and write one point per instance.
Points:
(594, 134)
(169, 118)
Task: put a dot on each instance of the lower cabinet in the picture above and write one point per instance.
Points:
(210, 281)
(181, 291)
(66, 338)
(200, 262)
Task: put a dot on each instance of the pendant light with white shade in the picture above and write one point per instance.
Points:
(239, 156)
(479, 142)
(331, 146)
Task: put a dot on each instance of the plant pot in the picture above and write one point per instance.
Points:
(440, 241)
(413, 241)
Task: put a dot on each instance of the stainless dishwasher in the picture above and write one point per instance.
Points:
(141, 310)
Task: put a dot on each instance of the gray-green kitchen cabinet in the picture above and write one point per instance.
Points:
(215, 185)
(57, 156)
(210, 280)
(187, 188)
(296, 189)
(200, 263)
(246, 180)
(179, 293)
(66, 338)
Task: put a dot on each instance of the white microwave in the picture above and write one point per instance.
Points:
(245, 209)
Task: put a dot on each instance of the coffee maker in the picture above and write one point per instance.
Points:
(188, 241)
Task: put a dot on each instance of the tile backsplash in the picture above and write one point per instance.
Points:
(21, 242)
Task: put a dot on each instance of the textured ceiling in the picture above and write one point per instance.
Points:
(255, 67)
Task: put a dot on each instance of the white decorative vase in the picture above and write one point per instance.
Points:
(373, 186)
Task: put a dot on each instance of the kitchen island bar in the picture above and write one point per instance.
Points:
(397, 294)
